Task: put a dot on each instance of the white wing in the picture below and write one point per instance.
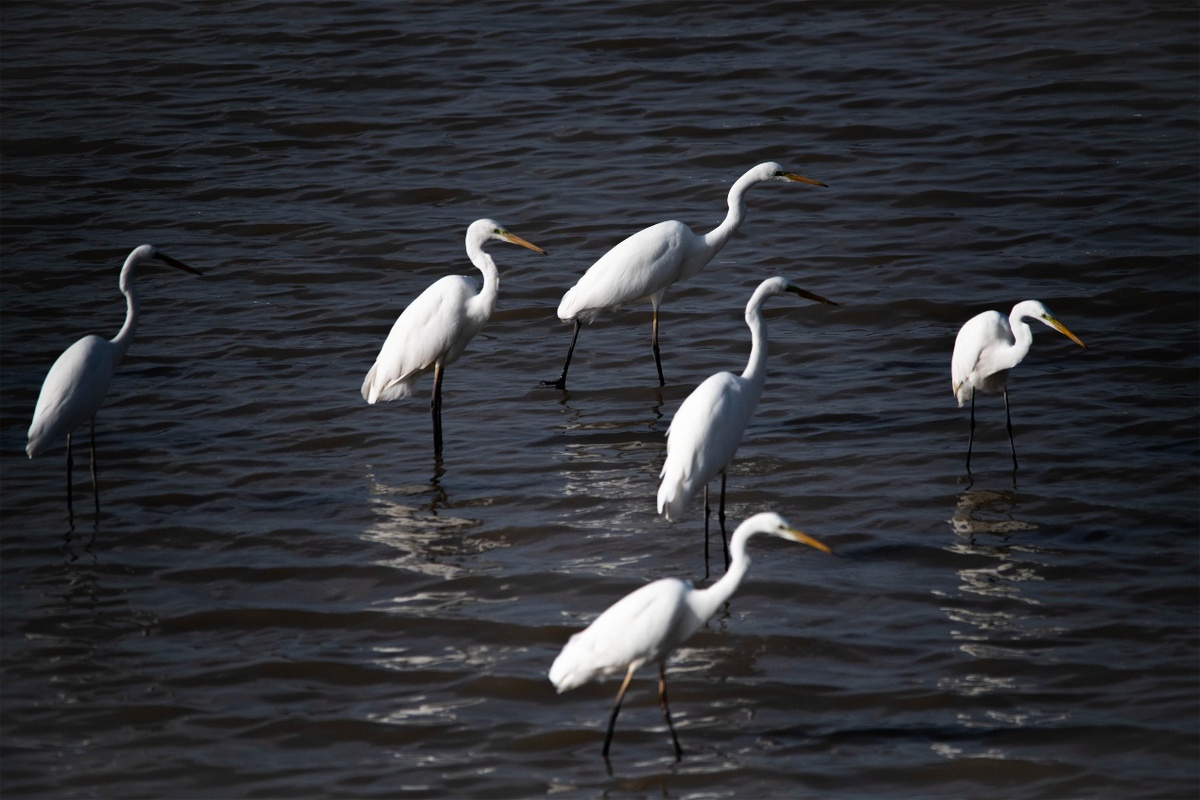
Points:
(703, 438)
(646, 263)
(970, 366)
(435, 328)
(642, 627)
(72, 393)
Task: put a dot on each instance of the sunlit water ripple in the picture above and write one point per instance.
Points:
(286, 595)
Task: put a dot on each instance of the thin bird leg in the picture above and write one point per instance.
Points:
(95, 483)
(70, 465)
(666, 710)
(657, 359)
(707, 514)
(561, 383)
(721, 519)
(435, 407)
(971, 437)
(612, 720)
(1008, 421)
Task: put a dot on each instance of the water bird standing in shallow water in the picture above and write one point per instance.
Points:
(707, 429)
(646, 264)
(78, 381)
(987, 347)
(645, 626)
(436, 327)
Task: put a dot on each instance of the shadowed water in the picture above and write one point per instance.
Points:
(286, 594)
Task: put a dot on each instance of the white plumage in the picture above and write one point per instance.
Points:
(705, 433)
(645, 626)
(987, 347)
(643, 266)
(78, 381)
(436, 327)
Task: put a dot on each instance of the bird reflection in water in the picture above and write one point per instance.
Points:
(412, 520)
(995, 615)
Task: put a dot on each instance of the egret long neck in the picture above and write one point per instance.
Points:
(120, 342)
(715, 239)
(705, 602)
(485, 301)
(1022, 340)
(756, 367)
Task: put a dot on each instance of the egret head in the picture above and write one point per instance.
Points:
(770, 171)
(146, 254)
(483, 230)
(1033, 309)
(771, 523)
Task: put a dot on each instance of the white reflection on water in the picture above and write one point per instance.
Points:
(986, 512)
(426, 540)
(996, 622)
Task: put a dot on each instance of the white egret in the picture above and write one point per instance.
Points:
(987, 347)
(436, 327)
(707, 429)
(646, 264)
(76, 384)
(646, 625)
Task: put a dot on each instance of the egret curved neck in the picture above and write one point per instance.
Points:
(706, 601)
(715, 239)
(120, 342)
(756, 366)
(1012, 355)
(491, 280)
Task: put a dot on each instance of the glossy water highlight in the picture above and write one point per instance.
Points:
(287, 594)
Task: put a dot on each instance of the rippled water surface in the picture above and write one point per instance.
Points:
(286, 595)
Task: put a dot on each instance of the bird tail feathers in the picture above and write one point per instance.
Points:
(375, 389)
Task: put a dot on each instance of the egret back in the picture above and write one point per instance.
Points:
(640, 628)
(704, 437)
(435, 328)
(637, 269)
(72, 393)
(982, 355)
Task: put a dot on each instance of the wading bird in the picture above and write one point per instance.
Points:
(436, 327)
(75, 387)
(986, 348)
(646, 264)
(707, 429)
(646, 625)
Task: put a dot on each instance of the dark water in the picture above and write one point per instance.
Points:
(285, 595)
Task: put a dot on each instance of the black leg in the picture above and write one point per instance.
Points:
(721, 519)
(657, 359)
(666, 710)
(435, 407)
(70, 466)
(95, 483)
(971, 437)
(612, 720)
(561, 383)
(1008, 422)
(707, 514)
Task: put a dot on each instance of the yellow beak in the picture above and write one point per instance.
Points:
(791, 176)
(509, 237)
(804, 538)
(1058, 326)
